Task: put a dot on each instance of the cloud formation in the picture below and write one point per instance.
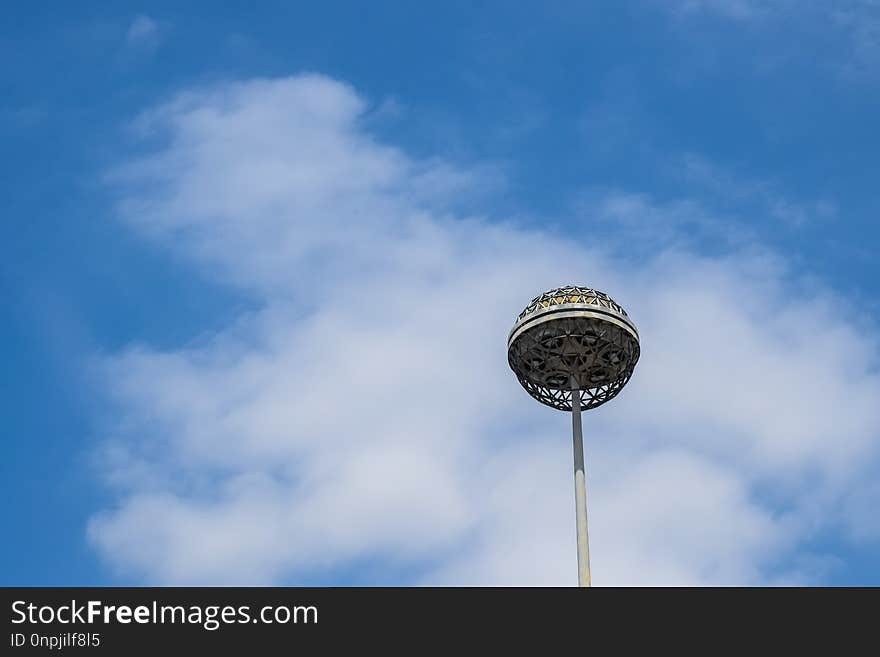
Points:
(363, 420)
(853, 25)
(143, 32)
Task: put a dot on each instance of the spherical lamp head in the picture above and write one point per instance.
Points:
(570, 338)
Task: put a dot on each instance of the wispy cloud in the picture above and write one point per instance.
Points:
(365, 411)
(736, 190)
(723, 210)
(143, 32)
(852, 27)
(735, 9)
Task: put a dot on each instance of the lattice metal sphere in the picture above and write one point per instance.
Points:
(572, 335)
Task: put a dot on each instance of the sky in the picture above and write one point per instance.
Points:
(260, 264)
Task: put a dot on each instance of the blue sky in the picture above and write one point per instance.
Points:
(176, 181)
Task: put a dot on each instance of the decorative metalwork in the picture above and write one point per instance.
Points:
(573, 337)
(571, 294)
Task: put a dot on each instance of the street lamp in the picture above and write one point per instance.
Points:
(574, 348)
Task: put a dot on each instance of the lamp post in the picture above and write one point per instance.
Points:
(574, 348)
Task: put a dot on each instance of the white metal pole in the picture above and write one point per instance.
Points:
(580, 488)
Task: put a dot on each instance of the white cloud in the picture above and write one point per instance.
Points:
(365, 412)
(847, 31)
(736, 9)
(762, 194)
(143, 31)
